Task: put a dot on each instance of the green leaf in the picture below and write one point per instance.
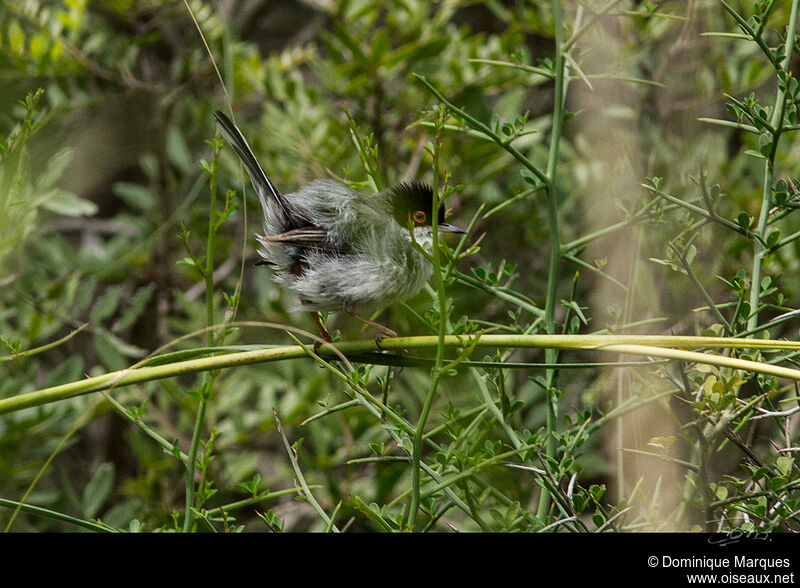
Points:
(575, 307)
(596, 491)
(744, 220)
(773, 237)
(54, 170)
(16, 37)
(580, 501)
(109, 354)
(38, 46)
(137, 196)
(691, 254)
(97, 490)
(784, 464)
(410, 53)
(133, 309)
(372, 513)
(272, 520)
(189, 262)
(67, 204)
(765, 144)
(106, 305)
(178, 152)
(755, 153)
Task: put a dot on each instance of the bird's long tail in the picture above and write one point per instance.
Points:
(263, 185)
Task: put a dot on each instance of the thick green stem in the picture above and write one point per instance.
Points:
(759, 249)
(191, 462)
(416, 454)
(666, 346)
(555, 241)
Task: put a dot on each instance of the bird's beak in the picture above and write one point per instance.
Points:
(448, 228)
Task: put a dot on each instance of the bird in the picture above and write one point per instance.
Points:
(340, 250)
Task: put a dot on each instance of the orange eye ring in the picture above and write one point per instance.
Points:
(419, 216)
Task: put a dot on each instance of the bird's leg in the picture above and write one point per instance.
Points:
(383, 332)
(323, 332)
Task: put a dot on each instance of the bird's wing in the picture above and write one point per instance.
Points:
(310, 236)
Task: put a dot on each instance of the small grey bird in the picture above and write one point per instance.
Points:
(338, 249)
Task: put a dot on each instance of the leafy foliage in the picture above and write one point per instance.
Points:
(606, 190)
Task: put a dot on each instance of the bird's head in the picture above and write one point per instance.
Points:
(412, 204)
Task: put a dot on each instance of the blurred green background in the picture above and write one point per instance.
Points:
(106, 115)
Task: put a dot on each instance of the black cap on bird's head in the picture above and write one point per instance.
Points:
(413, 202)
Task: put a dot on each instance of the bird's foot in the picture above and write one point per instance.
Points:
(383, 331)
(323, 332)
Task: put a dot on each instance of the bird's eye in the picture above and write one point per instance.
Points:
(419, 216)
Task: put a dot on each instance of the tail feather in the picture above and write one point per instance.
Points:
(258, 176)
